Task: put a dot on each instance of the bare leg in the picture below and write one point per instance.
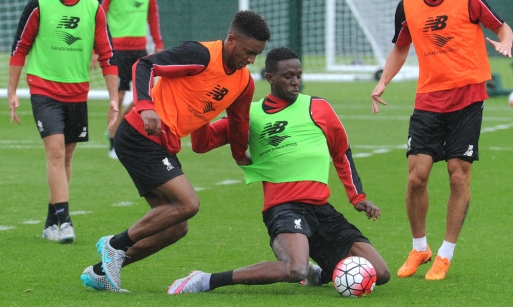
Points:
(291, 251)
(128, 108)
(459, 198)
(172, 203)
(367, 251)
(417, 200)
(58, 167)
(149, 246)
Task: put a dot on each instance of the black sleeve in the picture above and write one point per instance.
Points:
(190, 58)
(29, 8)
(400, 18)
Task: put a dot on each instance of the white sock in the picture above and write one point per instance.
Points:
(420, 244)
(205, 281)
(447, 250)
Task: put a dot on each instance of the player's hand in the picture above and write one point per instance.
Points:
(152, 124)
(371, 210)
(376, 97)
(246, 160)
(113, 113)
(503, 48)
(94, 62)
(14, 103)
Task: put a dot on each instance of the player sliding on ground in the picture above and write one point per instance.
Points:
(287, 130)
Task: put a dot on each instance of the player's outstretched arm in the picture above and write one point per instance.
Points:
(371, 210)
(505, 37)
(395, 61)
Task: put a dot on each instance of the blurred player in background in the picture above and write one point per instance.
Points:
(67, 30)
(288, 131)
(197, 81)
(128, 22)
(446, 122)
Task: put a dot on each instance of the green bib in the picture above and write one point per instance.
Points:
(63, 46)
(286, 146)
(128, 18)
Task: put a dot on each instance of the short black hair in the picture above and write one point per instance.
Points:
(251, 24)
(277, 55)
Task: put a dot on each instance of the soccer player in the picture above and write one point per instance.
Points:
(67, 30)
(289, 129)
(446, 121)
(198, 81)
(127, 25)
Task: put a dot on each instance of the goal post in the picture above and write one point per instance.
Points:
(341, 40)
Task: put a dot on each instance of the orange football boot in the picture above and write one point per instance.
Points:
(414, 260)
(439, 269)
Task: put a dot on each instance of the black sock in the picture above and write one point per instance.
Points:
(111, 143)
(51, 218)
(122, 241)
(97, 268)
(221, 279)
(62, 212)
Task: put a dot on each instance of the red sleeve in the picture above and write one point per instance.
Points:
(238, 127)
(154, 23)
(326, 118)
(481, 12)
(26, 33)
(210, 136)
(105, 5)
(103, 44)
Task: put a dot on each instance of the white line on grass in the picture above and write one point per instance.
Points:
(229, 181)
(80, 212)
(2, 227)
(31, 222)
(123, 204)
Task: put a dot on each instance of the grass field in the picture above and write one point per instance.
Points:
(228, 231)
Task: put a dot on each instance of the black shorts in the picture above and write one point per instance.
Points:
(56, 117)
(330, 235)
(125, 59)
(149, 164)
(444, 136)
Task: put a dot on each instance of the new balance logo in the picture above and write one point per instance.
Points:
(84, 133)
(435, 24)
(271, 130)
(67, 38)
(68, 23)
(137, 4)
(470, 151)
(297, 224)
(208, 107)
(438, 40)
(167, 164)
(218, 93)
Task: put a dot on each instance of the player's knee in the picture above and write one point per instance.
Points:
(416, 182)
(383, 276)
(297, 273)
(191, 207)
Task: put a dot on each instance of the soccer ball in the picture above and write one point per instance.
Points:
(354, 277)
(510, 99)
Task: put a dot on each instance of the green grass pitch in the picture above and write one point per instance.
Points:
(228, 231)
